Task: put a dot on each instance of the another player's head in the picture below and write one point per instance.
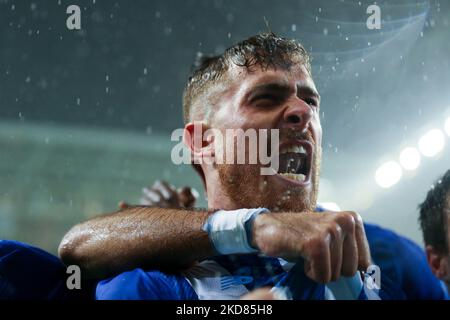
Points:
(263, 82)
(434, 221)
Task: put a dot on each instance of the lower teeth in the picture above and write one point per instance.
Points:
(294, 176)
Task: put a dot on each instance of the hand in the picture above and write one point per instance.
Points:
(163, 195)
(333, 244)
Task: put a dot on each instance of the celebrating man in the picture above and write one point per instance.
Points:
(255, 223)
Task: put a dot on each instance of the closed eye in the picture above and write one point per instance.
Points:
(311, 101)
(266, 96)
(267, 99)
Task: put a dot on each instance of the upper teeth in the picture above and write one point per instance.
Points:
(294, 149)
(294, 176)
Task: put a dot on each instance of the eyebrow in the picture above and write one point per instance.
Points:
(283, 88)
(308, 90)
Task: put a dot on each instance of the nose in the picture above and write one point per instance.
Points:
(297, 115)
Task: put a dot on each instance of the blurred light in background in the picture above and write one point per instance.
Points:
(447, 126)
(432, 143)
(388, 174)
(410, 158)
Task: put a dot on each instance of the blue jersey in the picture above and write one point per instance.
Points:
(403, 263)
(219, 278)
(404, 275)
(27, 272)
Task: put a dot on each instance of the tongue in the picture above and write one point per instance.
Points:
(290, 162)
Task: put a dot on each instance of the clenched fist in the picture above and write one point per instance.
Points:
(333, 244)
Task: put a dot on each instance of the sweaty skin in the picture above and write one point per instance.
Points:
(333, 243)
(148, 237)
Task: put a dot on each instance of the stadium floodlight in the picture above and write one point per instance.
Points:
(388, 174)
(410, 158)
(432, 143)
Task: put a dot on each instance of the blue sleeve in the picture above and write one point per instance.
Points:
(27, 272)
(145, 285)
(403, 264)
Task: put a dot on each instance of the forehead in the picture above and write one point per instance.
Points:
(240, 80)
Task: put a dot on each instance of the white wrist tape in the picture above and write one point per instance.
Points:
(227, 230)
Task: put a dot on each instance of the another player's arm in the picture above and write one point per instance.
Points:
(146, 237)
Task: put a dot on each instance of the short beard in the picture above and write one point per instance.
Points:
(238, 183)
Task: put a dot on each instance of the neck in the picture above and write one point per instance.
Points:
(217, 199)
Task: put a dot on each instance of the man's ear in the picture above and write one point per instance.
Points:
(438, 262)
(201, 149)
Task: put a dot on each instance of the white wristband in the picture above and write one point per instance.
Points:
(227, 230)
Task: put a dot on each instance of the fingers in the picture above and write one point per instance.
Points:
(349, 255)
(318, 267)
(152, 197)
(168, 192)
(364, 258)
(187, 196)
(336, 252)
(339, 249)
(161, 194)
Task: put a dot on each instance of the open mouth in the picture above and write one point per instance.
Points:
(295, 161)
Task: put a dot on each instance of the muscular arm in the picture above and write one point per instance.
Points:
(333, 243)
(146, 237)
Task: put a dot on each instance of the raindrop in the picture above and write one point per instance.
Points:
(294, 27)
(167, 31)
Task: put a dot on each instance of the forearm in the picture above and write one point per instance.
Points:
(146, 237)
